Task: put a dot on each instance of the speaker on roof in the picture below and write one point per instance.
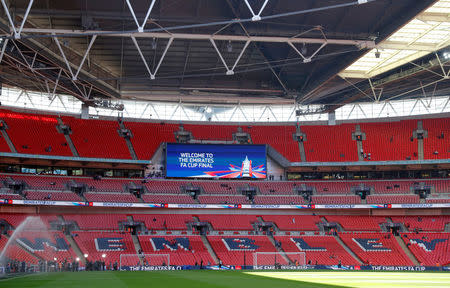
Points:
(84, 111)
(332, 118)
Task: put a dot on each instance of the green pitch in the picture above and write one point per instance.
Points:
(230, 279)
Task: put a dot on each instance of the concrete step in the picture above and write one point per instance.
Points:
(406, 250)
(207, 244)
(210, 249)
(73, 244)
(136, 243)
(280, 250)
(301, 148)
(346, 248)
(69, 141)
(128, 141)
(447, 227)
(8, 141)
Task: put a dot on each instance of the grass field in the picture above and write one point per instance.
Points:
(228, 279)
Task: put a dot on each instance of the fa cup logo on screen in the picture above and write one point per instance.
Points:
(246, 168)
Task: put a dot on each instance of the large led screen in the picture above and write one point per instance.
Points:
(215, 161)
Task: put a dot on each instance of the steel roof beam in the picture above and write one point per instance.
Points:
(84, 57)
(3, 49)
(188, 36)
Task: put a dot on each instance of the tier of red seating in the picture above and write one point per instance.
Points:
(195, 253)
(358, 223)
(390, 140)
(375, 248)
(294, 222)
(96, 221)
(164, 221)
(87, 243)
(223, 199)
(166, 198)
(34, 134)
(438, 200)
(10, 196)
(422, 223)
(330, 254)
(97, 138)
(279, 200)
(229, 222)
(231, 187)
(148, 136)
(390, 254)
(37, 134)
(54, 196)
(378, 199)
(241, 257)
(350, 199)
(3, 145)
(48, 253)
(436, 254)
(40, 187)
(111, 197)
(438, 139)
(330, 143)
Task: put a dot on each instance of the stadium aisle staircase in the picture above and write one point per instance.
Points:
(406, 250)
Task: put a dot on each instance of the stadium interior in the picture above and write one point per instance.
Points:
(108, 108)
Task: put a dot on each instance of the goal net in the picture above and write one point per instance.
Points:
(136, 260)
(281, 258)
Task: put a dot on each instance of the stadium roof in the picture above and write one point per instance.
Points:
(426, 33)
(227, 51)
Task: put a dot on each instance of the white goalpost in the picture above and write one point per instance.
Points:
(135, 260)
(281, 258)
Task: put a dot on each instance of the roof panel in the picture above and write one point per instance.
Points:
(410, 36)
